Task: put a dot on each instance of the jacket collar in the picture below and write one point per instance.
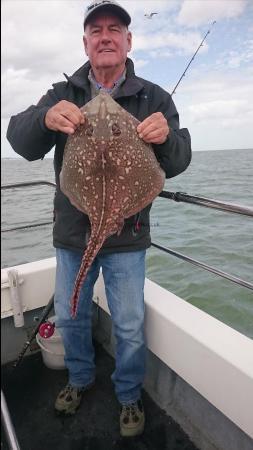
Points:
(131, 86)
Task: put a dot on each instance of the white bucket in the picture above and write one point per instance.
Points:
(52, 349)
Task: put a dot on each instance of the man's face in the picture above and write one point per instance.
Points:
(107, 42)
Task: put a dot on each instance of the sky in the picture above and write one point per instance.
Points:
(42, 39)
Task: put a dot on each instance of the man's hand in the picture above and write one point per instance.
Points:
(154, 129)
(64, 116)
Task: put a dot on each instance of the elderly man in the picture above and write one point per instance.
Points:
(32, 134)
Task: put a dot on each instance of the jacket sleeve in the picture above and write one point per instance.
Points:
(174, 155)
(27, 133)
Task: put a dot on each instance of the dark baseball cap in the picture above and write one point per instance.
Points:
(106, 6)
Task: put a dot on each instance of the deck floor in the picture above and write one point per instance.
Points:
(30, 392)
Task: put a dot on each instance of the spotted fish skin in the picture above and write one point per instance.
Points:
(108, 173)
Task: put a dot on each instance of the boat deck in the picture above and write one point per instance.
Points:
(30, 391)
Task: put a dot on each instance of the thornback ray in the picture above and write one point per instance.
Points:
(108, 173)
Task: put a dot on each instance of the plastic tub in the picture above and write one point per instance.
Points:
(52, 349)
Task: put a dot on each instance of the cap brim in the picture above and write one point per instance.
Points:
(114, 9)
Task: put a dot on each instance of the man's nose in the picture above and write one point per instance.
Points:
(105, 37)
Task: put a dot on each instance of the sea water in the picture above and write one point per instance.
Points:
(217, 238)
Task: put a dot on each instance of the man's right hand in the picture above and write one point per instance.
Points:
(64, 116)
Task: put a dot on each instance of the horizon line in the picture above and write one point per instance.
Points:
(209, 150)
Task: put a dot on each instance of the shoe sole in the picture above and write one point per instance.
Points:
(131, 432)
(71, 412)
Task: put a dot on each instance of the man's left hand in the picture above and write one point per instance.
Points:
(154, 129)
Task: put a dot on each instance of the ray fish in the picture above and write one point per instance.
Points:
(108, 173)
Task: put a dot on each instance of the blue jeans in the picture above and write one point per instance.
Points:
(124, 276)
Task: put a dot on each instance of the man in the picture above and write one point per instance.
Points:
(32, 134)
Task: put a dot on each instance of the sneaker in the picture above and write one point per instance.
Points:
(132, 419)
(69, 399)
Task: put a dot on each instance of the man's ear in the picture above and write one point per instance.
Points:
(85, 44)
(129, 41)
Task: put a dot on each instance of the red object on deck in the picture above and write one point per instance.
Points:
(46, 329)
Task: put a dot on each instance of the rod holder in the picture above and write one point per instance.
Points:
(15, 298)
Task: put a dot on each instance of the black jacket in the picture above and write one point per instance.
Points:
(31, 139)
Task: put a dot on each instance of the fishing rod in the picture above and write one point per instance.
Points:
(188, 65)
(9, 429)
(27, 344)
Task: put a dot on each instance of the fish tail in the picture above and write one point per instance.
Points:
(89, 255)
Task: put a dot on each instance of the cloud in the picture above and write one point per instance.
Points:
(224, 110)
(243, 56)
(218, 110)
(36, 50)
(31, 38)
(138, 63)
(184, 42)
(21, 88)
(199, 12)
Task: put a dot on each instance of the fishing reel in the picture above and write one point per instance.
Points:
(46, 329)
